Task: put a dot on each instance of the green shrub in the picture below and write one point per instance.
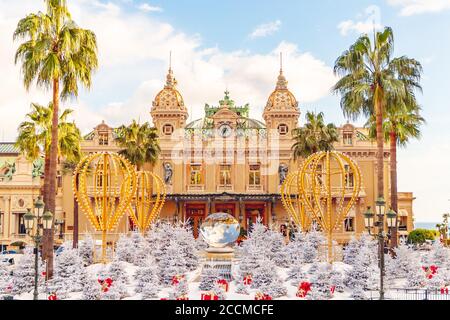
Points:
(419, 236)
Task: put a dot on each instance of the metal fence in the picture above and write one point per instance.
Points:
(410, 294)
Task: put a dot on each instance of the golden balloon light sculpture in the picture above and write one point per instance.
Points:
(106, 186)
(323, 191)
(293, 203)
(145, 207)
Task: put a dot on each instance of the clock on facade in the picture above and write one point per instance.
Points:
(225, 130)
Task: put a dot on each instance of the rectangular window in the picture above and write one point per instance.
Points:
(103, 139)
(255, 175)
(349, 180)
(348, 139)
(225, 174)
(21, 225)
(349, 224)
(99, 176)
(59, 180)
(1, 222)
(196, 174)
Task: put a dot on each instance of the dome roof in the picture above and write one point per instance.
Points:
(169, 98)
(281, 99)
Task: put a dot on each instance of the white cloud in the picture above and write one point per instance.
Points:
(149, 8)
(414, 7)
(266, 29)
(372, 20)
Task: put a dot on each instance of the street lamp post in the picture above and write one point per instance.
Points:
(44, 222)
(369, 223)
(381, 207)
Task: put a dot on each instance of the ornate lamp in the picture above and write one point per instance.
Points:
(47, 220)
(381, 206)
(391, 217)
(368, 218)
(29, 220)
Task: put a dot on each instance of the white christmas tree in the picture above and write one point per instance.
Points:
(147, 281)
(219, 291)
(125, 250)
(69, 274)
(321, 283)
(358, 293)
(404, 258)
(266, 279)
(296, 273)
(171, 263)
(183, 235)
(337, 280)
(241, 288)
(86, 249)
(296, 246)
(208, 278)
(179, 290)
(351, 251)
(140, 249)
(117, 273)
(360, 273)
(439, 255)
(91, 289)
(5, 278)
(23, 273)
(277, 249)
(415, 279)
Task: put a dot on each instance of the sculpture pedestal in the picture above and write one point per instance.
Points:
(219, 259)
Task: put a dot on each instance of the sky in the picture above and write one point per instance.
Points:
(235, 45)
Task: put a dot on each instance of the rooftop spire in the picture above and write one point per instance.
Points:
(170, 80)
(281, 83)
(281, 62)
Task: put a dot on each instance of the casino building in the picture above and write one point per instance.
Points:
(223, 162)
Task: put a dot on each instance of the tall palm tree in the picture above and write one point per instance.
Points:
(314, 136)
(139, 142)
(369, 75)
(34, 137)
(399, 126)
(55, 54)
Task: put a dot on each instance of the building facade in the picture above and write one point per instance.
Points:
(223, 162)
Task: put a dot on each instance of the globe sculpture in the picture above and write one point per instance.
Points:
(220, 229)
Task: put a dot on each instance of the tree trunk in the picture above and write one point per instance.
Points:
(75, 218)
(45, 190)
(380, 145)
(51, 204)
(394, 195)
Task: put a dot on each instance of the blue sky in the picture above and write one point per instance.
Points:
(235, 45)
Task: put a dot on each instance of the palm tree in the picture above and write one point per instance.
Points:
(314, 136)
(399, 126)
(139, 142)
(369, 78)
(55, 54)
(34, 137)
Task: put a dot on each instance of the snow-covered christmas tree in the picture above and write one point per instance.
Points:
(208, 278)
(321, 283)
(117, 273)
(296, 274)
(179, 290)
(147, 281)
(278, 249)
(171, 263)
(5, 278)
(351, 251)
(91, 289)
(266, 278)
(23, 273)
(124, 249)
(86, 249)
(69, 274)
(296, 247)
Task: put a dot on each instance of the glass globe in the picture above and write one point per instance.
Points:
(220, 229)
